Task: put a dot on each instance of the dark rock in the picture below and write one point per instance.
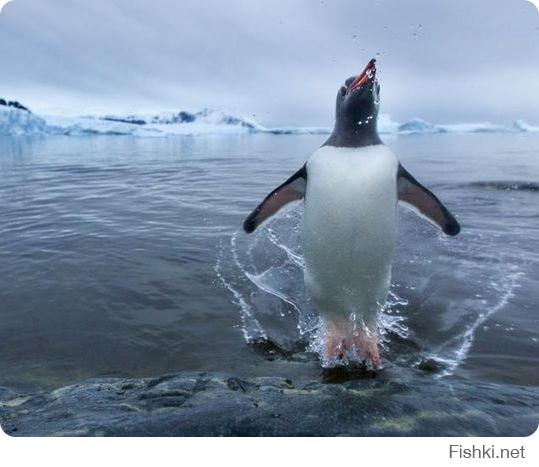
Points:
(185, 117)
(201, 404)
(431, 365)
(14, 104)
(129, 119)
(180, 117)
(271, 350)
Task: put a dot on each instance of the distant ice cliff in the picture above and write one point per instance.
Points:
(17, 120)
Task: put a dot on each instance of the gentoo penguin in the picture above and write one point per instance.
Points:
(351, 186)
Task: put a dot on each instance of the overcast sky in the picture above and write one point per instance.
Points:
(280, 60)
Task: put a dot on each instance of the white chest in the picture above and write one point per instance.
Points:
(360, 177)
(349, 227)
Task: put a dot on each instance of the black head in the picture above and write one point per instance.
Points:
(357, 111)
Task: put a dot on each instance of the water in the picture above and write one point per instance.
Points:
(124, 257)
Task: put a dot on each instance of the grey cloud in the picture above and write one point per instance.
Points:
(282, 60)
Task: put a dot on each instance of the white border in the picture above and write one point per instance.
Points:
(3, 3)
(259, 452)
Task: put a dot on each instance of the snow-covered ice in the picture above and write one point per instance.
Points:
(18, 121)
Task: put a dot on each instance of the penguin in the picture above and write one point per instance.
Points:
(351, 186)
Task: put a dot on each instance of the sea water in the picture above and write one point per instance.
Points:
(124, 256)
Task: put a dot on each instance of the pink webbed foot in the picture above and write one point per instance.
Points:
(366, 344)
(343, 344)
(336, 346)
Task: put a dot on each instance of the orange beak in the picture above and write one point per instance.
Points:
(368, 73)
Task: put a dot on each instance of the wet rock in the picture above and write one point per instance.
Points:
(271, 350)
(431, 365)
(201, 404)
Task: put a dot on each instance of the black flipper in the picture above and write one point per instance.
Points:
(416, 195)
(291, 190)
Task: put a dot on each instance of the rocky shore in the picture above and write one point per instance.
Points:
(204, 404)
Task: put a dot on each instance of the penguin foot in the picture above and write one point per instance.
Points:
(336, 346)
(366, 345)
(338, 342)
(344, 345)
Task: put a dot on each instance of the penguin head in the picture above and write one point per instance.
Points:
(358, 100)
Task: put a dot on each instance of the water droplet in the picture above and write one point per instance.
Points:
(416, 30)
(354, 37)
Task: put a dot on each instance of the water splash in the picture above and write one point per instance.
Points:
(251, 328)
(455, 351)
(264, 273)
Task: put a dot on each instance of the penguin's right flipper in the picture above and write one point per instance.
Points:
(417, 196)
(291, 190)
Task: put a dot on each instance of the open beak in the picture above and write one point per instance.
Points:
(369, 73)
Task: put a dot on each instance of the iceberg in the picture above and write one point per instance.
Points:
(181, 123)
(481, 127)
(89, 125)
(418, 125)
(522, 126)
(386, 125)
(17, 120)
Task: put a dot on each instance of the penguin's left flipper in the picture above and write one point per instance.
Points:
(291, 190)
(417, 196)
